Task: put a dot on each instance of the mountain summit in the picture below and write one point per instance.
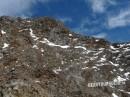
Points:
(42, 58)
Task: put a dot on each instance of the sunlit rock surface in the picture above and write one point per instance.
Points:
(42, 58)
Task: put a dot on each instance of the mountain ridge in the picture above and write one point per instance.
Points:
(42, 58)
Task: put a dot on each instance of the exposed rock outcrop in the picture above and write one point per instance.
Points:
(42, 58)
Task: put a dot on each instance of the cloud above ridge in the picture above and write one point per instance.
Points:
(18, 7)
(119, 20)
(100, 6)
(100, 35)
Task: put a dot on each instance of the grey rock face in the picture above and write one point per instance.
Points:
(42, 58)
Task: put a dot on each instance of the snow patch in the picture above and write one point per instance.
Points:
(128, 93)
(114, 95)
(84, 68)
(113, 63)
(23, 30)
(119, 79)
(93, 58)
(29, 21)
(62, 62)
(127, 50)
(42, 50)
(70, 35)
(101, 64)
(127, 74)
(33, 35)
(35, 46)
(86, 61)
(56, 71)
(5, 45)
(97, 40)
(102, 60)
(98, 53)
(80, 47)
(37, 81)
(122, 45)
(94, 67)
(46, 41)
(121, 69)
(101, 49)
(3, 32)
(112, 47)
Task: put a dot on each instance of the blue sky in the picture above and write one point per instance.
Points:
(109, 19)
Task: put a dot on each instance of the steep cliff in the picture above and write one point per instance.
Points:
(42, 58)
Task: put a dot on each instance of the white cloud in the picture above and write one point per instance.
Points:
(89, 26)
(17, 7)
(65, 19)
(82, 27)
(119, 20)
(100, 35)
(99, 6)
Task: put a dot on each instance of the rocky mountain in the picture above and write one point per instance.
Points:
(41, 58)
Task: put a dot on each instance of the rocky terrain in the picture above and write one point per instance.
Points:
(42, 58)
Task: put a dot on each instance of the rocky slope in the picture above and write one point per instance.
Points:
(42, 58)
